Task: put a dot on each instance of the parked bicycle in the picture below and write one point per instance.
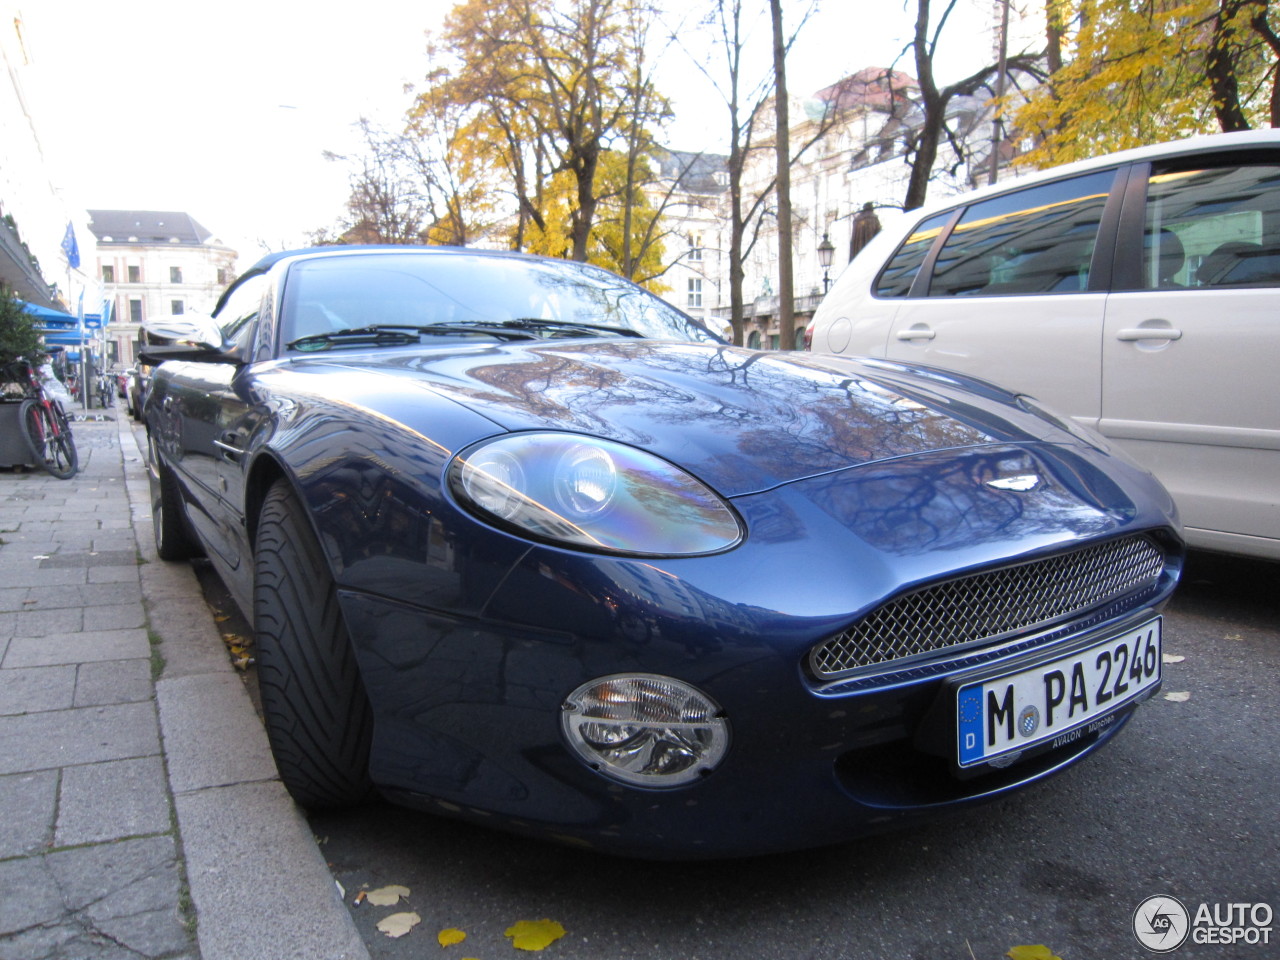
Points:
(44, 424)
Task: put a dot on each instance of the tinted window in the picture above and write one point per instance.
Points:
(900, 273)
(1213, 227)
(1034, 241)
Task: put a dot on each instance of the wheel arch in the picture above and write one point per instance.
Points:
(263, 473)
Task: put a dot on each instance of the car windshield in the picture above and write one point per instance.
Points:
(356, 297)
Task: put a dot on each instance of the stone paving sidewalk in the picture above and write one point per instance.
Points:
(90, 863)
(141, 815)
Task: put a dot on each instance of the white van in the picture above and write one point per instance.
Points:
(1138, 293)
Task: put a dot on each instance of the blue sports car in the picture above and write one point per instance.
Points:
(521, 543)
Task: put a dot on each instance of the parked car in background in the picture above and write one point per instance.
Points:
(136, 379)
(1136, 293)
(120, 379)
(524, 544)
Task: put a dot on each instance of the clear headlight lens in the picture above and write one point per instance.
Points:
(645, 729)
(591, 493)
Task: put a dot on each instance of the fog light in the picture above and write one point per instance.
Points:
(645, 729)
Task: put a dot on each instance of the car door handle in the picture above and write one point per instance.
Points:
(915, 334)
(1149, 333)
(228, 446)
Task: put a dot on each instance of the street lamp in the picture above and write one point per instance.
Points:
(826, 250)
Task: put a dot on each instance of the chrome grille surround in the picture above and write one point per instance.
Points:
(990, 605)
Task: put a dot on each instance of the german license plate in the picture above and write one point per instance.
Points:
(1059, 700)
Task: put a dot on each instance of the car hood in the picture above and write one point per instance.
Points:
(740, 420)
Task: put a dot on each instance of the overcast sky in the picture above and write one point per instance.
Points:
(223, 110)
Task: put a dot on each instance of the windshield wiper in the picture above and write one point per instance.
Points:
(373, 336)
(536, 323)
(399, 335)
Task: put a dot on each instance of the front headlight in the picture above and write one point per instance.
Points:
(645, 729)
(593, 494)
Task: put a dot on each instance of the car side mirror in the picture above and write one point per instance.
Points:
(196, 329)
(193, 337)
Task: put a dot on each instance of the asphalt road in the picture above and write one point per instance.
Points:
(1182, 803)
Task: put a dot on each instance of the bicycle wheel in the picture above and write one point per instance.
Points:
(49, 437)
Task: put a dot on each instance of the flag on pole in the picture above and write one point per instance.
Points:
(70, 248)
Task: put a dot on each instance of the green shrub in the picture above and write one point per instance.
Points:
(19, 330)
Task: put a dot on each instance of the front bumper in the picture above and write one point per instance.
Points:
(467, 724)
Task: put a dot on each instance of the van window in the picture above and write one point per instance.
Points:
(1213, 227)
(1034, 241)
(900, 272)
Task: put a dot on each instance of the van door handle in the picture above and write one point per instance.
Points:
(915, 333)
(1149, 333)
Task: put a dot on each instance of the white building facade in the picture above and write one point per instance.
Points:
(154, 263)
(849, 144)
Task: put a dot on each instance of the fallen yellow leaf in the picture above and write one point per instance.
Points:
(398, 924)
(450, 936)
(1037, 952)
(534, 934)
(1179, 697)
(387, 896)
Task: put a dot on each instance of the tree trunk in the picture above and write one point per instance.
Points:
(1220, 68)
(1053, 35)
(782, 140)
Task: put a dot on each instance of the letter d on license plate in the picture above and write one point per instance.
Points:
(1050, 700)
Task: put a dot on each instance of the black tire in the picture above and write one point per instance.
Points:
(314, 705)
(174, 540)
(48, 435)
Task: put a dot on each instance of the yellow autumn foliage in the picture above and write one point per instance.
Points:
(534, 934)
(1137, 72)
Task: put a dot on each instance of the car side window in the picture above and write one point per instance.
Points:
(1215, 226)
(1034, 241)
(898, 275)
(236, 317)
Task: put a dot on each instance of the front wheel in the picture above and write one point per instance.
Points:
(48, 435)
(314, 705)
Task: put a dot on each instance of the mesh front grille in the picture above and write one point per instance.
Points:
(992, 604)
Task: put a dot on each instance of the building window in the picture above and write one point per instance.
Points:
(695, 291)
(695, 246)
(135, 310)
(175, 276)
(177, 308)
(135, 273)
(108, 273)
